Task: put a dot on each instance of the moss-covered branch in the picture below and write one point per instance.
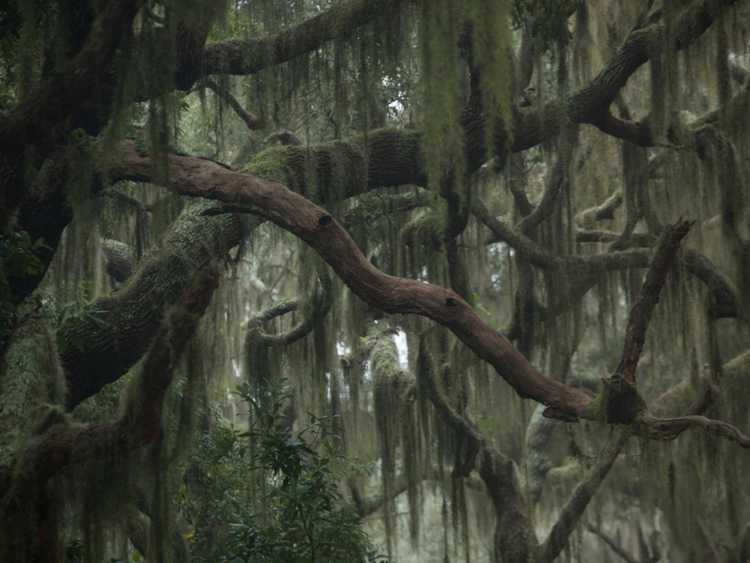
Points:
(544, 259)
(314, 312)
(723, 295)
(514, 535)
(314, 225)
(106, 338)
(580, 498)
(640, 132)
(605, 210)
(62, 102)
(292, 212)
(252, 55)
(63, 444)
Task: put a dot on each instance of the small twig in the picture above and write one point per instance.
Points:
(611, 544)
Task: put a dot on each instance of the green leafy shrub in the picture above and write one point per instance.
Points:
(269, 494)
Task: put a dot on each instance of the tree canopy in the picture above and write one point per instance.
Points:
(374, 280)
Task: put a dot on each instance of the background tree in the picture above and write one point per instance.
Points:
(515, 184)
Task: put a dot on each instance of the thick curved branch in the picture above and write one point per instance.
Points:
(400, 149)
(64, 444)
(101, 343)
(252, 55)
(546, 260)
(314, 312)
(590, 104)
(106, 338)
(62, 102)
(314, 225)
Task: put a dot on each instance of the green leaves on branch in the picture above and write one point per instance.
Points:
(547, 20)
(271, 494)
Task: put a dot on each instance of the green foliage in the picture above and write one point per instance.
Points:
(546, 19)
(271, 164)
(295, 514)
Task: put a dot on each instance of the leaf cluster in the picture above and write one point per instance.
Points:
(547, 20)
(271, 494)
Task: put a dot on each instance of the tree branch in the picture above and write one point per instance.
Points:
(64, 444)
(106, 338)
(62, 102)
(579, 500)
(590, 104)
(542, 258)
(640, 314)
(658, 428)
(514, 535)
(252, 55)
(251, 120)
(292, 212)
(314, 312)
(724, 296)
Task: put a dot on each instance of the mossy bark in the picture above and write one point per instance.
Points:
(105, 339)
